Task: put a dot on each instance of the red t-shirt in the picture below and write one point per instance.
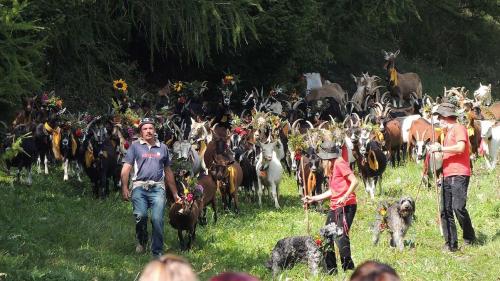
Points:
(339, 184)
(456, 164)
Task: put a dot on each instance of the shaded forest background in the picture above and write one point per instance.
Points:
(77, 48)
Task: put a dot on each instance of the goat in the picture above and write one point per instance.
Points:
(490, 134)
(370, 159)
(419, 135)
(229, 176)
(401, 85)
(209, 197)
(393, 139)
(26, 154)
(483, 94)
(184, 216)
(269, 171)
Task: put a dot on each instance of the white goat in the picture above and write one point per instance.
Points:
(483, 94)
(490, 134)
(269, 171)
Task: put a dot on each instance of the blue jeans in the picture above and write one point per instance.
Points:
(143, 199)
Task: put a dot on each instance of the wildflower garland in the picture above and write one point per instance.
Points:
(296, 141)
(326, 237)
(54, 102)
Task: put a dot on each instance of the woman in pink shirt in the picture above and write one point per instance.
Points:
(342, 184)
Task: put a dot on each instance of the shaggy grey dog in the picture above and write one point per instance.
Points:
(396, 218)
(291, 250)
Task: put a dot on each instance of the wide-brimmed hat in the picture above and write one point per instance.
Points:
(446, 110)
(146, 120)
(328, 150)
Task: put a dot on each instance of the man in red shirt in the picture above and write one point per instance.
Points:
(456, 175)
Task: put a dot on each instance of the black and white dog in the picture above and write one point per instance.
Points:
(396, 218)
(291, 250)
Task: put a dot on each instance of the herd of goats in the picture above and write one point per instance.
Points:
(249, 146)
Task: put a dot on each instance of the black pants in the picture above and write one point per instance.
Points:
(454, 199)
(337, 216)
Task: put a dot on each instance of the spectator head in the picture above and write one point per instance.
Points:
(234, 276)
(168, 268)
(374, 271)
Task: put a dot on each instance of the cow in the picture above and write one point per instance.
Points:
(269, 171)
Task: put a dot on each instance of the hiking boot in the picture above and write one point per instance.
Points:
(470, 242)
(448, 248)
(139, 249)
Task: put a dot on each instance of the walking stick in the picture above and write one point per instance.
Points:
(434, 174)
(304, 188)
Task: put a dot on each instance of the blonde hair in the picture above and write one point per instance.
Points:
(168, 268)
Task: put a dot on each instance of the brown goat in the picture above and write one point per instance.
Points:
(393, 140)
(228, 175)
(401, 85)
(184, 216)
(420, 134)
(209, 197)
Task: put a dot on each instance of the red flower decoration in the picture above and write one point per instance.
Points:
(298, 155)
(126, 145)
(78, 132)
(318, 242)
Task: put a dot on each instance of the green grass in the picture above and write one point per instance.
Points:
(56, 231)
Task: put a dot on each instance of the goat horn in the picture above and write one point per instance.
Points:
(331, 118)
(322, 124)
(365, 105)
(383, 96)
(295, 124)
(310, 124)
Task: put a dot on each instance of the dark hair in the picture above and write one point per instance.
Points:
(374, 271)
(234, 276)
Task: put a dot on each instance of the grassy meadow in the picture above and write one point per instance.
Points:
(56, 231)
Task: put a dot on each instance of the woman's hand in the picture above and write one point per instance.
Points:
(308, 199)
(342, 199)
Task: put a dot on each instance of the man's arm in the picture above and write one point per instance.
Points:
(170, 182)
(459, 147)
(124, 180)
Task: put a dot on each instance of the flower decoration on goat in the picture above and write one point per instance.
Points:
(55, 102)
(120, 85)
(230, 79)
(296, 141)
(192, 191)
(178, 86)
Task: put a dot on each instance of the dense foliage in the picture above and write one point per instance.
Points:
(79, 47)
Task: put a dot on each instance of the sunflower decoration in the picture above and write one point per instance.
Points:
(178, 86)
(120, 85)
(230, 79)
